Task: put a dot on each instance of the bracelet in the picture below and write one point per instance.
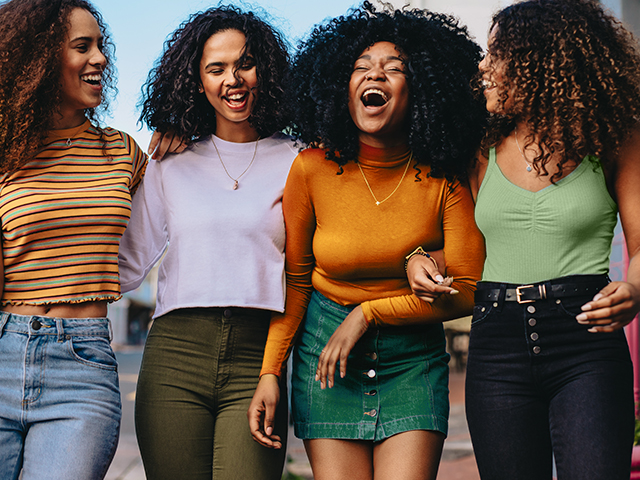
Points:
(418, 251)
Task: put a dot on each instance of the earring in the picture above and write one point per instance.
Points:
(200, 89)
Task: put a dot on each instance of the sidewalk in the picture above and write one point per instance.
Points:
(458, 462)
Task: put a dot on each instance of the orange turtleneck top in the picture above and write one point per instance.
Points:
(340, 243)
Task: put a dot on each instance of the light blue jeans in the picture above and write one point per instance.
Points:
(59, 398)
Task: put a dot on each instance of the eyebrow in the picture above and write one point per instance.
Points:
(86, 39)
(390, 57)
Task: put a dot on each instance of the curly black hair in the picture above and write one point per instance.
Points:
(32, 36)
(445, 120)
(170, 98)
(576, 75)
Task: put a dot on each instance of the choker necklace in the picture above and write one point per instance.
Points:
(235, 180)
(529, 166)
(378, 202)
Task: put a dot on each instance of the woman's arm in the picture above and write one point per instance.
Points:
(619, 302)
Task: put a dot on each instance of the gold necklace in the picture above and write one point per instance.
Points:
(235, 180)
(529, 167)
(378, 202)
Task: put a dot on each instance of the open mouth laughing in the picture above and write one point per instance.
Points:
(92, 79)
(372, 97)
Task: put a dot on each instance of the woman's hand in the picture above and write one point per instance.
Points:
(425, 279)
(163, 143)
(262, 410)
(339, 346)
(612, 308)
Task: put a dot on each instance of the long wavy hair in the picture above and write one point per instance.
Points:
(445, 120)
(32, 36)
(170, 98)
(575, 71)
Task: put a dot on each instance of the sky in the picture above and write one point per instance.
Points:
(139, 28)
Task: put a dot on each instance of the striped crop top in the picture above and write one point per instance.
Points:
(63, 215)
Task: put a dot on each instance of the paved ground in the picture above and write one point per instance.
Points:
(457, 463)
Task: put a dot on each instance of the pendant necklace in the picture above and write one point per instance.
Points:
(378, 202)
(529, 166)
(68, 142)
(236, 180)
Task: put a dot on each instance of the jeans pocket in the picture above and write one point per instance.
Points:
(480, 312)
(93, 351)
(572, 306)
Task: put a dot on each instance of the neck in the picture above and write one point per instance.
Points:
(69, 120)
(236, 133)
(382, 141)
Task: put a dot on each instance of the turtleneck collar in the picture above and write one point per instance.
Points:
(388, 157)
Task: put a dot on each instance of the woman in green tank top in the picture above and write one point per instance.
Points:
(549, 373)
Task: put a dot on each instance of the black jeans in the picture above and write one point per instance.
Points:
(538, 383)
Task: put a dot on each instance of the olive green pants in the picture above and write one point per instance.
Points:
(199, 371)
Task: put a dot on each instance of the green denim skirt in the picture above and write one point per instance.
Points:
(396, 381)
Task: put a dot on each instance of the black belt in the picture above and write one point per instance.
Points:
(538, 291)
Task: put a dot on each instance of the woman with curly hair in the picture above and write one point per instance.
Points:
(387, 94)
(549, 369)
(65, 200)
(214, 211)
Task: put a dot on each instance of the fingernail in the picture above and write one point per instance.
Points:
(330, 384)
(439, 278)
(597, 297)
(592, 330)
(454, 292)
(342, 374)
(586, 307)
(581, 318)
(317, 377)
(268, 430)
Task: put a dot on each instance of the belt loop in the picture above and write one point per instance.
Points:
(60, 328)
(501, 296)
(110, 327)
(4, 318)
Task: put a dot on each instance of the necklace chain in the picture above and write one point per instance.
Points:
(236, 180)
(529, 166)
(378, 202)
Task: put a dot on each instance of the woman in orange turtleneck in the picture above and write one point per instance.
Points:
(398, 124)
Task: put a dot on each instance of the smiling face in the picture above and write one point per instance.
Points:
(81, 69)
(379, 95)
(229, 88)
(493, 81)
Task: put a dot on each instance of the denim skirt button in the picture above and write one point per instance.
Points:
(371, 413)
(495, 305)
(536, 349)
(372, 355)
(227, 313)
(531, 309)
(371, 373)
(532, 322)
(534, 336)
(36, 325)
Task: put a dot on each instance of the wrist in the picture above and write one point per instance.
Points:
(421, 252)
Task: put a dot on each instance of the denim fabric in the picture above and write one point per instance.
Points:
(538, 383)
(199, 371)
(396, 381)
(59, 398)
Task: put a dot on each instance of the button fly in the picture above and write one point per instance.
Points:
(36, 325)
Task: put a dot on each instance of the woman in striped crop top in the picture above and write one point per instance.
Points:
(65, 200)
(549, 372)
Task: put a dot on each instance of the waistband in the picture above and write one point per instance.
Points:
(571, 286)
(38, 325)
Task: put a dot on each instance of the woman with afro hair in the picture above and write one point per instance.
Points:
(549, 369)
(387, 95)
(65, 198)
(213, 213)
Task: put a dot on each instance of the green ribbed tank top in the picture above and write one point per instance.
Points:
(563, 229)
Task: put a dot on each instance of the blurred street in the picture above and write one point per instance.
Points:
(457, 463)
